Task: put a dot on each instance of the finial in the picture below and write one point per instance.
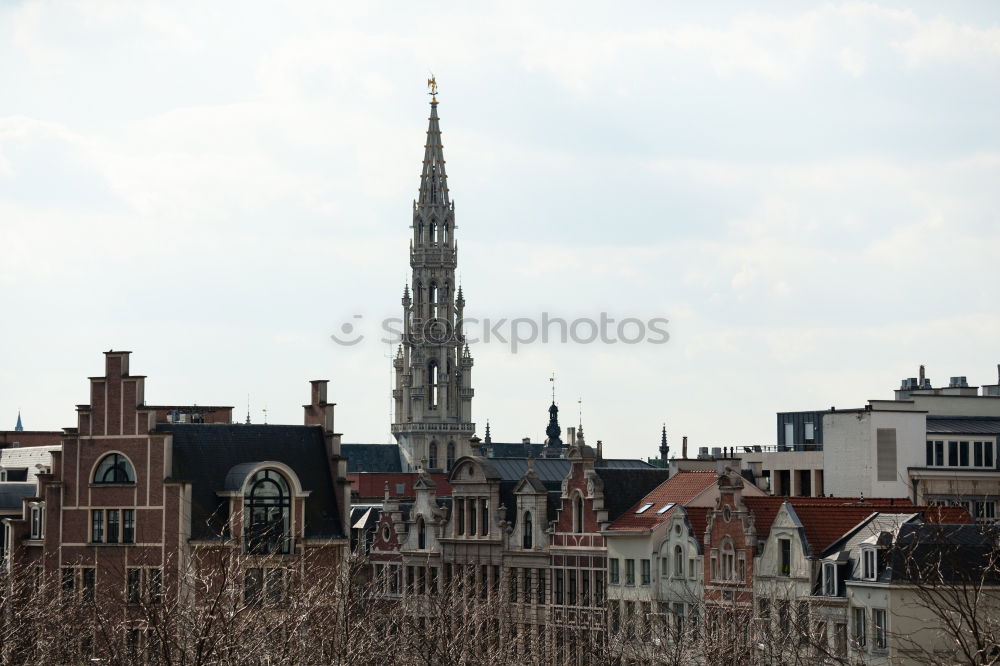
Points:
(488, 439)
(432, 86)
(248, 409)
(553, 380)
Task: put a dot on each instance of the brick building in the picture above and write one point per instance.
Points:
(133, 505)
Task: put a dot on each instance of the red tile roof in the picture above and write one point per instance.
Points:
(681, 488)
(698, 517)
(826, 519)
(371, 485)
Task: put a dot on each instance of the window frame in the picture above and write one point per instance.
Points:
(784, 557)
(880, 633)
(36, 517)
(120, 464)
(614, 571)
(830, 586)
(869, 564)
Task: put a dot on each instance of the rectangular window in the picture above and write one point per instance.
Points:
(156, 586)
(512, 579)
(541, 586)
(646, 574)
(585, 587)
(868, 558)
(133, 586)
(987, 454)
(829, 579)
(810, 432)
(741, 566)
(485, 522)
(977, 454)
(97, 526)
(930, 454)
(885, 443)
(571, 584)
(860, 633)
(879, 628)
(559, 586)
(526, 585)
(460, 518)
(785, 550)
(939, 453)
(598, 588)
(128, 525)
(764, 609)
(963, 454)
(613, 573)
(840, 639)
(37, 526)
(952, 454)
(253, 582)
(68, 584)
(112, 525)
(274, 586)
(132, 643)
(89, 584)
(630, 572)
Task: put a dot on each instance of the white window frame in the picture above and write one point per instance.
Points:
(880, 630)
(37, 519)
(860, 621)
(869, 564)
(829, 579)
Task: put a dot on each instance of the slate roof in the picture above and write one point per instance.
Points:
(26, 458)
(961, 554)
(204, 455)
(679, 489)
(11, 495)
(623, 486)
(512, 449)
(372, 458)
(963, 426)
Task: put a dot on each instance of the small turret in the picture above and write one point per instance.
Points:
(664, 449)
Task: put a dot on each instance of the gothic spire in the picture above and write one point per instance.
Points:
(433, 180)
(664, 449)
(19, 427)
(488, 439)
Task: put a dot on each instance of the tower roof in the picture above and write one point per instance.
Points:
(19, 427)
(433, 179)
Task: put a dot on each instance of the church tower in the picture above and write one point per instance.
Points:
(433, 366)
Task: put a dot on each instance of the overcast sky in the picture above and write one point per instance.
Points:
(809, 194)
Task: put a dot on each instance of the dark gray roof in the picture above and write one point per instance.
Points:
(372, 458)
(205, 455)
(11, 495)
(512, 449)
(624, 486)
(934, 553)
(623, 463)
(547, 469)
(963, 426)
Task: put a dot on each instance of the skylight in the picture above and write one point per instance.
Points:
(666, 507)
(644, 508)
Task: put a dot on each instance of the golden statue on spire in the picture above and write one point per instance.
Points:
(433, 86)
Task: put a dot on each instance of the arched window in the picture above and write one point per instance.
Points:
(444, 233)
(578, 514)
(434, 227)
(267, 514)
(528, 531)
(432, 456)
(432, 385)
(678, 562)
(421, 534)
(420, 232)
(451, 455)
(114, 468)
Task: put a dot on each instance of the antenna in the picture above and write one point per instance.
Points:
(265, 415)
(579, 407)
(553, 380)
(248, 409)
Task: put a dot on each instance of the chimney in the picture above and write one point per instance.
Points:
(684, 447)
(570, 436)
(319, 411)
(600, 450)
(526, 440)
(921, 384)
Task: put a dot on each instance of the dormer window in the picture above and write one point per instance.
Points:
(785, 554)
(644, 508)
(267, 511)
(663, 509)
(869, 564)
(114, 468)
(829, 579)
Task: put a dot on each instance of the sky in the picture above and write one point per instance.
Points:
(808, 193)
